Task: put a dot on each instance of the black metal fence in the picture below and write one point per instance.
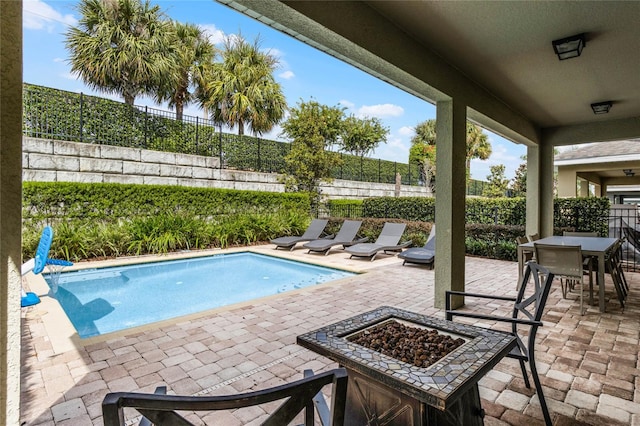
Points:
(56, 114)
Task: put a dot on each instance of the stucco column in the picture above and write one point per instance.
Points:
(533, 191)
(451, 139)
(10, 208)
(567, 182)
(546, 190)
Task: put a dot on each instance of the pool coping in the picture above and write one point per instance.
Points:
(64, 337)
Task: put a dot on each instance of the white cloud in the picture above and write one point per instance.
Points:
(500, 154)
(347, 104)
(394, 150)
(287, 75)
(38, 15)
(276, 53)
(216, 36)
(406, 131)
(380, 111)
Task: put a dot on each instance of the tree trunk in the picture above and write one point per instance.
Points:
(240, 128)
(179, 111)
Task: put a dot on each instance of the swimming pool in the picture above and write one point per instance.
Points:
(99, 301)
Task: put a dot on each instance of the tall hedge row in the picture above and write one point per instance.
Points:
(112, 201)
(583, 214)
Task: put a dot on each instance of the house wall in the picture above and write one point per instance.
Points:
(10, 212)
(47, 160)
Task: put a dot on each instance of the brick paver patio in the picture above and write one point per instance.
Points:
(588, 364)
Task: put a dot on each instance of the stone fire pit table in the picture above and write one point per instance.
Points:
(385, 391)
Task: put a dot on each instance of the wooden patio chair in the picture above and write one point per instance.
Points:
(529, 302)
(304, 394)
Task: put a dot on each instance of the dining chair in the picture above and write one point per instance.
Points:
(295, 397)
(588, 263)
(525, 319)
(527, 254)
(613, 267)
(533, 237)
(566, 263)
(579, 234)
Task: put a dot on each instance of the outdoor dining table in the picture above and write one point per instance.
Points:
(597, 247)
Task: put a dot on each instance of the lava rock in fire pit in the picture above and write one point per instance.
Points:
(417, 346)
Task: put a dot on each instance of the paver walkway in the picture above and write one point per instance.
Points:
(588, 364)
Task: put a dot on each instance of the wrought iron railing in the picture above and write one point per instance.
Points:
(56, 114)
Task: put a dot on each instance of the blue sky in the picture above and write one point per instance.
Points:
(304, 73)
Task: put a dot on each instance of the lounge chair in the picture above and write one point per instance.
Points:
(313, 232)
(388, 241)
(346, 237)
(424, 255)
(38, 263)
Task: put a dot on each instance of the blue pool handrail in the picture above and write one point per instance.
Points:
(38, 263)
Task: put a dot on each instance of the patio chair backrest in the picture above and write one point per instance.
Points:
(579, 234)
(348, 230)
(533, 237)
(315, 229)
(391, 234)
(432, 233)
(528, 254)
(563, 261)
(531, 302)
(632, 235)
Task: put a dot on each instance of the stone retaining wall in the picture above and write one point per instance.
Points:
(45, 160)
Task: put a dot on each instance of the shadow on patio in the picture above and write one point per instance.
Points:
(588, 364)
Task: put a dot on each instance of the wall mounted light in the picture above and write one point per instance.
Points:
(628, 172)
(601, 107)
(570, 47)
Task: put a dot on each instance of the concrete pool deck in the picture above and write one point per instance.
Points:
(588, 364)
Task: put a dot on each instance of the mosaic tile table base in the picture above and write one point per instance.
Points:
(386, 391)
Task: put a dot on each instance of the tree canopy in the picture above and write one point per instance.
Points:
(519, 181)
(423, 147)
(121, 46)
(497, 186)
(241, 90)
(313, 127)
(362, 135)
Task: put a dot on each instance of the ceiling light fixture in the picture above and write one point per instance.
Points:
(628, 172)
(570, 47)
(601, 107)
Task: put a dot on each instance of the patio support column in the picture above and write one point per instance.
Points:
(533, 191)
(10, 214)
(567, 182)
(546, 189)
(451, 139)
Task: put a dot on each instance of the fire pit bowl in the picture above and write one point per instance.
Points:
(384, 390)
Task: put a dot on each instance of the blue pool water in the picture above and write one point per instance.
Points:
(99, 301)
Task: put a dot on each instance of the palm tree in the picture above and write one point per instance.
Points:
(120, 46)
(478, 145)
(241, 91)
(193, 54)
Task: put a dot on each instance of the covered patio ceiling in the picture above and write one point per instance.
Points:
(497, 56)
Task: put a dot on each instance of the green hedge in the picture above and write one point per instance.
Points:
(407, 208)
(107, 220)
(107, 201)
(493, 224)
